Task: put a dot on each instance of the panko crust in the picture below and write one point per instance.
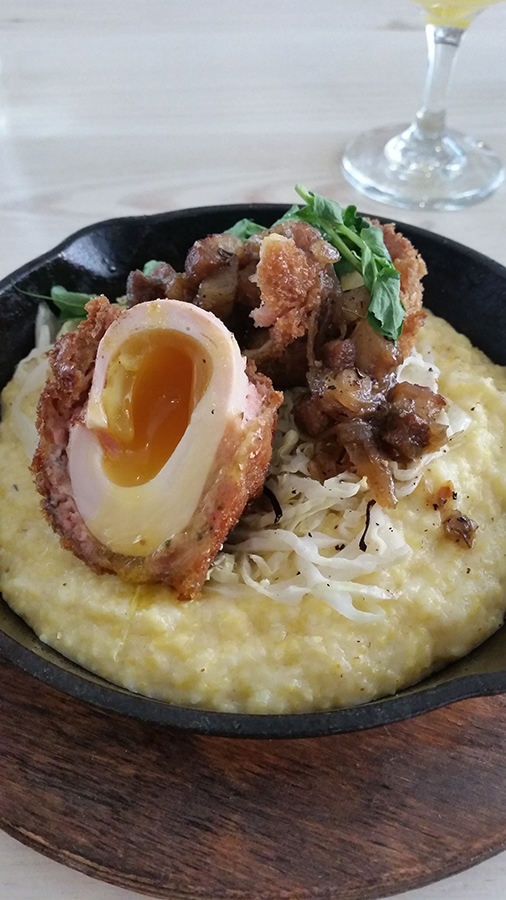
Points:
(412, 269)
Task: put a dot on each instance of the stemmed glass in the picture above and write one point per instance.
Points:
(428, 165)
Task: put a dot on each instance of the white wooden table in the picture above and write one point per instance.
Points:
(119, 107)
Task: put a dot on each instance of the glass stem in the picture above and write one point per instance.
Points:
(442, 44)
(426, 145)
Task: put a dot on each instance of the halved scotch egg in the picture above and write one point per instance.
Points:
(154, 435)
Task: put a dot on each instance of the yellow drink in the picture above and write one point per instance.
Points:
(458, 13)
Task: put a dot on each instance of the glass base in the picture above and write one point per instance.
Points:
(402, 167)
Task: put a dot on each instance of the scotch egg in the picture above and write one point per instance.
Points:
(173, 439)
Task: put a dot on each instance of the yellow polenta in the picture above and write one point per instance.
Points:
(257, 655)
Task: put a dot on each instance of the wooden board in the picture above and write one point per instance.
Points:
(176, 816)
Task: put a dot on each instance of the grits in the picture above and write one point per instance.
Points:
(253, 654)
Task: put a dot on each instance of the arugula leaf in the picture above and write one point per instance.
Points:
(320, 208)
(245, 228)
(70, 303)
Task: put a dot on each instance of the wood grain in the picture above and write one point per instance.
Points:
(352, 817)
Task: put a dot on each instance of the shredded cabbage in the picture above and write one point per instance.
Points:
(316, 547)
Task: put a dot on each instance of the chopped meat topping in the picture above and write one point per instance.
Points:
(456, 526)
(354, 407)
(460, 528)
(163, 281)
(443, 495)
(410, 427)
(360, 440)
(208, 255)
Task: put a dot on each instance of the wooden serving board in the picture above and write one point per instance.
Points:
(183, 817)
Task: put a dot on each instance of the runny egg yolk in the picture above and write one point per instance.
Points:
(152, 385)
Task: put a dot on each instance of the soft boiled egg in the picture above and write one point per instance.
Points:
(168, 380)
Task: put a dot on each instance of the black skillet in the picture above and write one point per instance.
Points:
(463, 286)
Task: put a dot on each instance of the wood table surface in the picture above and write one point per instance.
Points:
(121, 107)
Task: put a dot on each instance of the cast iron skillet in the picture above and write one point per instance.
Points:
(465, 287)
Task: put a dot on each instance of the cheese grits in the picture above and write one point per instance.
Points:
(345, 535)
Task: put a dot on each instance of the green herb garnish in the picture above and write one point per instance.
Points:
(244, 229)
(69, 303)
(362, 247)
